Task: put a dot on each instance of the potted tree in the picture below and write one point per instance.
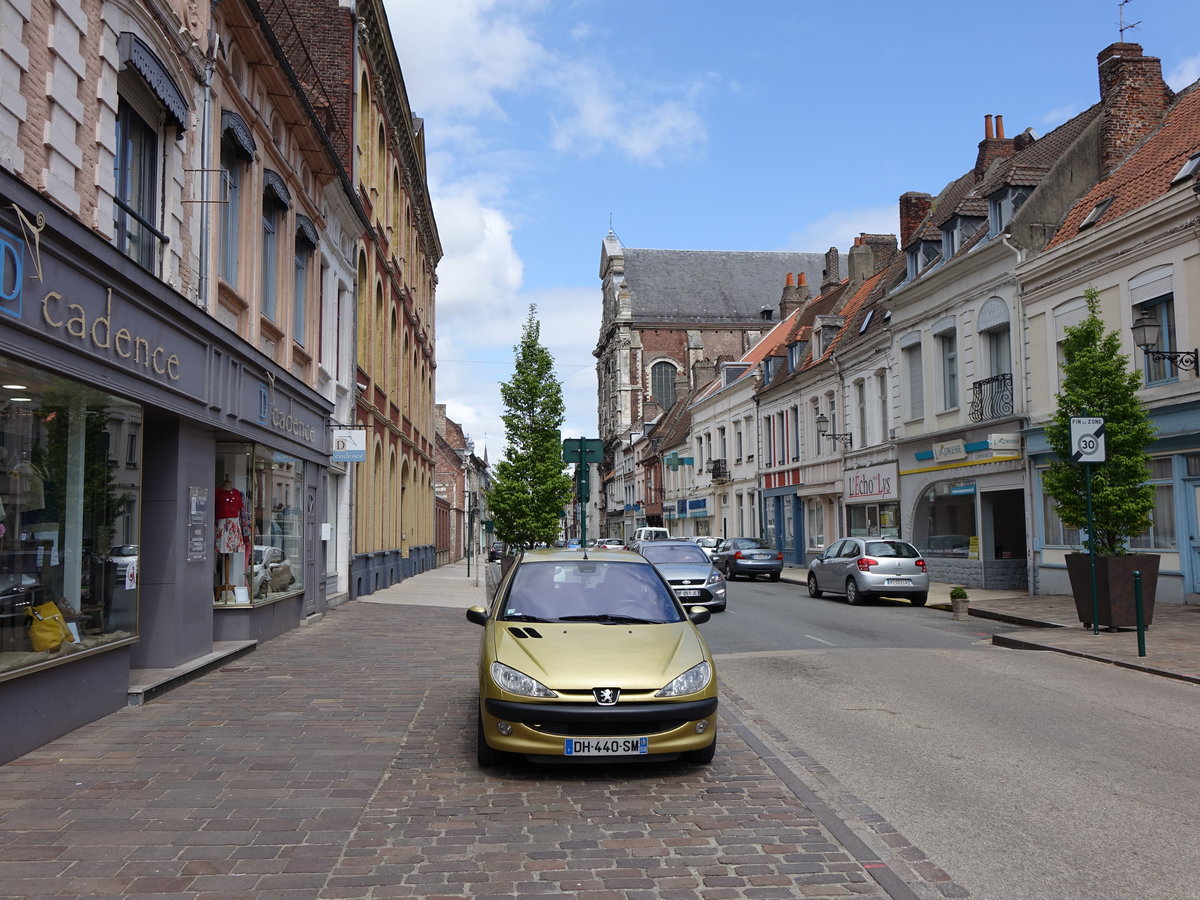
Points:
(1097, 381)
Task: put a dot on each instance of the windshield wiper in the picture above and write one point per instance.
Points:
(523, 617)
(609, 618)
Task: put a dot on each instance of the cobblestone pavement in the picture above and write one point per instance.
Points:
(337, 761)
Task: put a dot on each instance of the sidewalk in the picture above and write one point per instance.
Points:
(1172, 641)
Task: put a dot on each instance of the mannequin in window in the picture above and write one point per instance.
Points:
(229, 533)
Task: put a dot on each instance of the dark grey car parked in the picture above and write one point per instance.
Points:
(862, 568)
(748, 556)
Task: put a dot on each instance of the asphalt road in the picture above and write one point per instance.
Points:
(1023, 774)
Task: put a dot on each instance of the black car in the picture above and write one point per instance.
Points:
(496, 551)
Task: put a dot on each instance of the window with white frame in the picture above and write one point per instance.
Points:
(768, 436)
(781, 439)
(737, 443)
(794, 433)
(860, 411)
(947, 343)
(237, 151)
(1054, 532)
(1152, 296)
(814, 524)
(914, 400)
(1160, 536)
(275, 202)
(883, 404)
(722, 449)
(306, 245)
(1003, 205)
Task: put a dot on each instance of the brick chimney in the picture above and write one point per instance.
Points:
(883, 248)
(832, 274)
(795, 295)
(862, 263)
(994, 146)
(914, 207)
(1133, 99)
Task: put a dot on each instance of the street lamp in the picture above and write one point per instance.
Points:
(823, 431)
(1145, 335)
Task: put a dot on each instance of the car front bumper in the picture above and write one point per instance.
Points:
(542, 729)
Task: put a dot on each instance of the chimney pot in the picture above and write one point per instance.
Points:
(1000, 128)
(987, 127)
(790, 279)
(803, 278)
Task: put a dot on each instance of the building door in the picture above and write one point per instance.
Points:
(1191, 560)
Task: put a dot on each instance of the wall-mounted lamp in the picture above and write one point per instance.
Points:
(1145, 335)
(823, 431)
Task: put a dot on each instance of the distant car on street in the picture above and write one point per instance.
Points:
(611, 544)
(708, 544)
(496, 551)
(748, 556)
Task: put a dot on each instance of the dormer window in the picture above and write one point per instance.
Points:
(1190, 168)
(956, 232)
(795, 354)
(1097, 211)
(921, 255)
(1003, 205)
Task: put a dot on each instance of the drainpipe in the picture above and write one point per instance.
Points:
(214, 41)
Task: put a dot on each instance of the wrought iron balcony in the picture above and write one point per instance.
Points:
(992, 398)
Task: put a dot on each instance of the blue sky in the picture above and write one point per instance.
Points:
(707, 126)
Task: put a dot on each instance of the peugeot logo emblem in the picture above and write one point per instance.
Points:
(606, 696)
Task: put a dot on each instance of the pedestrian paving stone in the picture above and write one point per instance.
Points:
(337, 761)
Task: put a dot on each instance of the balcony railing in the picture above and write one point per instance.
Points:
(992, 398)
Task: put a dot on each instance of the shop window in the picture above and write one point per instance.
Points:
(259, 531)
(68, 515)
(815, 525)
(944, 521)
(874, 520)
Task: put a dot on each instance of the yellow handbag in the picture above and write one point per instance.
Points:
(48, 629)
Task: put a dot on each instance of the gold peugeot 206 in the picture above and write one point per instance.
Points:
(588, 656)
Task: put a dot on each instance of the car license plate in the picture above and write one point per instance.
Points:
(687, 593)
(605, 746)
(897, 582)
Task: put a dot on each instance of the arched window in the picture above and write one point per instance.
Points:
(662, 384)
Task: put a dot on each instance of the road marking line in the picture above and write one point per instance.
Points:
(812, 637)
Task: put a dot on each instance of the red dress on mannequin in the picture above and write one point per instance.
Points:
(229, 520)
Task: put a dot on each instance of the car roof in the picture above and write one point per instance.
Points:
(593, 554)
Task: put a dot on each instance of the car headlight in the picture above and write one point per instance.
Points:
(514, 682)
(714, 576)
(694, 679)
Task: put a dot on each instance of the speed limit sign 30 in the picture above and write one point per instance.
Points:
(1087, 440)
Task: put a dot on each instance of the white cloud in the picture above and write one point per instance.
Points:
(840, 228)
(1186, 72)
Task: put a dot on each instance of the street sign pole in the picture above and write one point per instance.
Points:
(1087, 441)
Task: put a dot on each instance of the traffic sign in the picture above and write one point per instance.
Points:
(1087, 440)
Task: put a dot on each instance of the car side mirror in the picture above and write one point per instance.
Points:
(699, 615)
(478, 615)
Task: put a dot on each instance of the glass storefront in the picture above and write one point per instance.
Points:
(944, 521)
(259, 521)
(70, 488)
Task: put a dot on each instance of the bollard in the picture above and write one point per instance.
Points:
(1139, 611)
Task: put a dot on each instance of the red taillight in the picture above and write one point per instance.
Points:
(865, 563)
(779, 555)
(738, 555)
(921, 564)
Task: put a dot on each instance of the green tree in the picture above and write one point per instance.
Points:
(529, 487)
(1097, 381)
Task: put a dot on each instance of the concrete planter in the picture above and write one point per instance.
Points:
(1114, 588)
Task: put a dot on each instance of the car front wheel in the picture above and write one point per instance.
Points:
(853, 596)
(813, 590)
(485, 755)
(701, 757)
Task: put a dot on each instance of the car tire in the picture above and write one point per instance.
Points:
(701, 757)
(775, 576)
(485, 755)
(853, 595)
(813, 590)
(918, 599)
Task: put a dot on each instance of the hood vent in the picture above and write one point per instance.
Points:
(524, 632)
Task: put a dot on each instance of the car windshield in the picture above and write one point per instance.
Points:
(586, 590)
(892, 549)
(674, 553)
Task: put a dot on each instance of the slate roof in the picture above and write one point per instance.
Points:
(704, 286)
(1146, 175)
(1029, 165)
(774, 340)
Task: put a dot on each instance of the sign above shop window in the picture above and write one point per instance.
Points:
(349, 445)
(1005, 444)
(951, 450)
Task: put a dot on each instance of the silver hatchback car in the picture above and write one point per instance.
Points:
(862, 568)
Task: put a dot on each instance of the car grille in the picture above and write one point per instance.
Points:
(606, 729)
